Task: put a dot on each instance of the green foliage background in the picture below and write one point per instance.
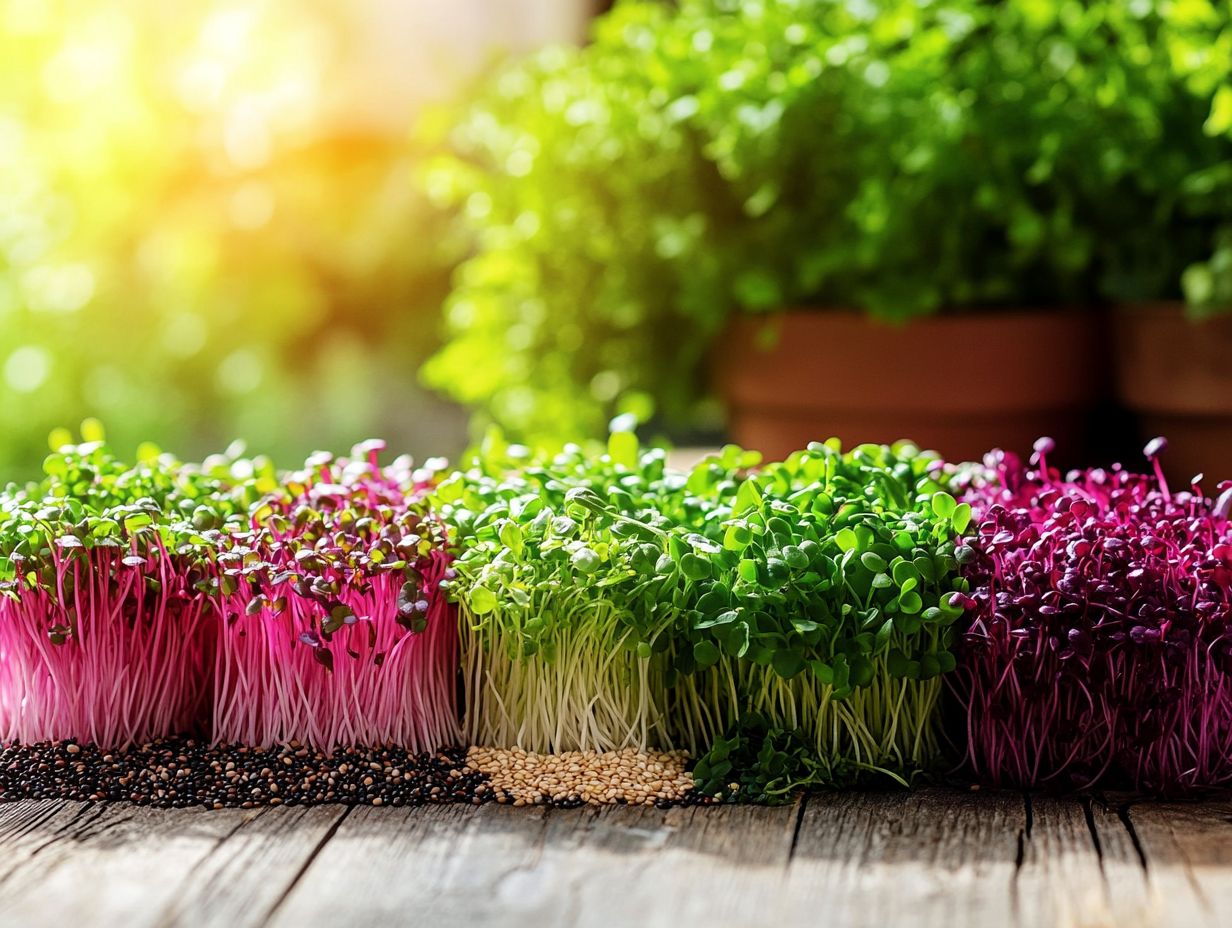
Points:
(898, 156)
(194, 254)
(192, 269)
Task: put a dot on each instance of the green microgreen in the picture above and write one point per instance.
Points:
(566, 633)
(819, 600)
(90, 500)
(611, 601)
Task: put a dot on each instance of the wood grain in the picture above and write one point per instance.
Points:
(119, 864)
(103, 863)
(1080, 870)
(1187, 848)
(248, 874)
(932, 857)
(500, 865)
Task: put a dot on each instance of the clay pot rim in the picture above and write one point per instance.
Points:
(1014, 379)
(1168, 364)
(940, 326)
(1146, 306)
(964, 317)
(1167, 311)
(963, 312)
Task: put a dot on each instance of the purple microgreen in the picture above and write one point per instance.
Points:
(1099, 640)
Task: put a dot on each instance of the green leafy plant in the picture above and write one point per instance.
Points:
(815, 602)
(565, 631)
(712, 157)
(1148, 167)
(760, 763)
(1187, 175)
(833, 606)
(608, 602)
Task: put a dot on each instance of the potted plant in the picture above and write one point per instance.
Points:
(645, 205)
(1168, 244)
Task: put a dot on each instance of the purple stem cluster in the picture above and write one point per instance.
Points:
(117, 653)
(279, 679)
(318, 617)
(1099, 647)
(334, 630)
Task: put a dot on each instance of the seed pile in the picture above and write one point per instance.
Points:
(575, 778)
(182, 773)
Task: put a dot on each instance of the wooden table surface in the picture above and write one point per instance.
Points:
(932, 857)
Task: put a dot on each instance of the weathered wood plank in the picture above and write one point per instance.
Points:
(930, 857)
(1188, 852)
(1133, 898)
(1080, 868)
(246, 876)
(500, 865)
(25, 827)
(695, 866)
(114, 863)
(121, 864)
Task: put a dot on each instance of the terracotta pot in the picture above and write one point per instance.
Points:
(960, 384)
(1176, 374)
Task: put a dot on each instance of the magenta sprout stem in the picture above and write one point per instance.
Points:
(380, 685)
(101, 658)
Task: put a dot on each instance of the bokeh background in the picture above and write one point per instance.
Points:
(301, 223)
(212, 220)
